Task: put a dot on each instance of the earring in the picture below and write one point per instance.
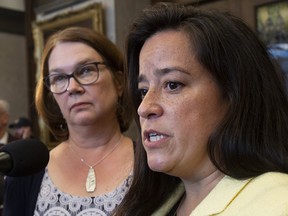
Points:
(63, 126)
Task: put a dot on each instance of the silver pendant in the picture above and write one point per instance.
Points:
(91, 181)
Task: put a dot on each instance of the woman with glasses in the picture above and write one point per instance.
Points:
(82, 97)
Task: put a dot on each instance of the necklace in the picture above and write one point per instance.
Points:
(91, 176)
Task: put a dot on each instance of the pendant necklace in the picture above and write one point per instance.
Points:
(91, 177)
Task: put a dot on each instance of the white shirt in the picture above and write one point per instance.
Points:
(4, 139)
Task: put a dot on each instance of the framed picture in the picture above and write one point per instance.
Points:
(272, 27)
(197, 2)
(89, 16)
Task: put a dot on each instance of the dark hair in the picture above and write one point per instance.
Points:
(252, 137)
(47, 107)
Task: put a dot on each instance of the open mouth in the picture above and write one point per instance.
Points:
(153, 137)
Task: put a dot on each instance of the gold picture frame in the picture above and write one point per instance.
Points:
(90, 16)
(272, 28)
(272, 22)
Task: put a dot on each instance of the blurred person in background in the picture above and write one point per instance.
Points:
(5, 136)
(22, 128)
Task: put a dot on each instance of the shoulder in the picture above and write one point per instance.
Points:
(272, 184)
(272, 180)
(58, 151)
(266, 194)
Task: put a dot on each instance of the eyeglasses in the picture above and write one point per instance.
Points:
(84, 75)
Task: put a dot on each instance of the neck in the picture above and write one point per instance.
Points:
(109, 152)
(92, 136)
(197, 191)
(91, 176)
(93, 148)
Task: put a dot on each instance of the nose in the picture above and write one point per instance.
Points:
(150, 106)
(74, 86)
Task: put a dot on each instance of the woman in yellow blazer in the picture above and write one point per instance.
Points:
(213, 112)
(265, 195)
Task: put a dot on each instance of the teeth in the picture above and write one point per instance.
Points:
(153, 137)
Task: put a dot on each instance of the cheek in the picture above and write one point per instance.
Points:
(60, 101)
(107, 95)
(196, 118)
(106, 87)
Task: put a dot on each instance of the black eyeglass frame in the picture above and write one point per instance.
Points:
(46, 79)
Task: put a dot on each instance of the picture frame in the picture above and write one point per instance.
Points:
(197, 2)
(90, 16)
(272, 28)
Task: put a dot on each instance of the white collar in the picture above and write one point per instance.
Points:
(4, 139)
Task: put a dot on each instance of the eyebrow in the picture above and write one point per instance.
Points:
(161, 72)
(76, 66)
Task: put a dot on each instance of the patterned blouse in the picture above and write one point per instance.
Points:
(53, 202)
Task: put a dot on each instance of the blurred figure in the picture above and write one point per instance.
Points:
(5, 136)
(22, 128)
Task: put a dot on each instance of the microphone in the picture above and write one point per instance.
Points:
(23, 157)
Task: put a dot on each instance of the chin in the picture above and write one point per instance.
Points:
(157, 164)
(84, 119)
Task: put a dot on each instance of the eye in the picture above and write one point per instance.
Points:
(172, 86)
(86, 70)
(143, 92)
(57, 78)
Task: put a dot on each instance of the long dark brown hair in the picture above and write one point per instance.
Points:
(252, 138)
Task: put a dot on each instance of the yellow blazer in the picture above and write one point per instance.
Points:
(265, 195)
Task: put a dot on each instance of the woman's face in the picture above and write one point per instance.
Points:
(181, 106)
(84, 104)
